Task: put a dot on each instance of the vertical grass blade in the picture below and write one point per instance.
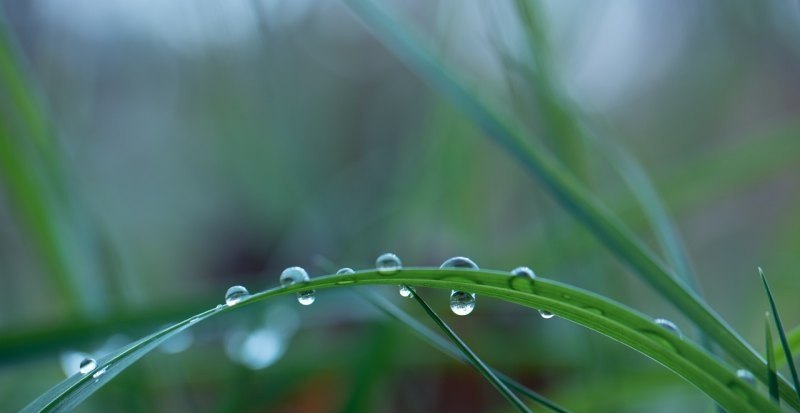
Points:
(787, 351)
(567, 190)
(772, 382)
(446, 347)
(472, 357)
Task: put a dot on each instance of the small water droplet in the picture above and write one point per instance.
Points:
(405, 291)
(194, 320)
(87, 365)
(669, 326)
(747, 376)
(546, 314)
(306, 297)
(235, 294)
(345, 270)
(388, 264)
(293, 275)
(219, 307)
(99, 373)
(462, 303)
(459, 262)
(523, 272)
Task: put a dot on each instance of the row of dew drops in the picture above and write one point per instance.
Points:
(461, 302)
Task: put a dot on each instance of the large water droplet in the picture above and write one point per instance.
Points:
(388, 264)
(405, 292)
(461, 302)
(235, 294)
(669, 326)
(546, 314)
(87, 365)
(523, 272)
(345, 271)
(747, 376)
(293, 275)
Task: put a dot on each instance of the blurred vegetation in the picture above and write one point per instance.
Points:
(152, 154)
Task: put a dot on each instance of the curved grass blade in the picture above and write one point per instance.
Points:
(787, 351)
(567, 190)
(772, 382)
(793, 336)
(446, 347)
(598, 313)
(473, 358)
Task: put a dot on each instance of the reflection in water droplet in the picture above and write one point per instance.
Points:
(235, 294)
(345, 281)
(388, 264)
(747, 376)
(523, 272)
(546, 314)
(86, 365)
(462, 303)
(345, 270)
(405, 291)
(294, 275)
(669, 326)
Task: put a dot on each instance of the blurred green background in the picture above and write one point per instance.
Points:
(154, 153)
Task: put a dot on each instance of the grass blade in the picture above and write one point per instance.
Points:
(472, 357)
(447, 347)
(772, 382)
(598, 313)
(787, 351)
(572, 195)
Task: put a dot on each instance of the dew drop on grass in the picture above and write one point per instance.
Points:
(235, 294)
(669, 326)
(294, 275)
(388, 264)
(747, 376)
(405, 292)
(345, 271)
(462, 303)
(86, 365)
(523, 272)
(546, 314)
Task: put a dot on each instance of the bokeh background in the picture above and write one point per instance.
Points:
(188, 146)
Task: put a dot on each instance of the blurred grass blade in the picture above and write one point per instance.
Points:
(793, 336)
(772, 382)
(447, 347)
(592, 311)
(787, 351)
(471, 356)
(566, 189)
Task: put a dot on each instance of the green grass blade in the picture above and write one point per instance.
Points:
(793, 336)
(473, 358)
(447, 347)
(787, 351)
(772, 378)
(567, 190)
(592, 311)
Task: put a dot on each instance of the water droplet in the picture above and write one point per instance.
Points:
(293, 275)
(669, 326)
(99, 373)
(194, 320)
(70, 361)
(235, 294)
(747, 376)
(87, 365)
(523, 272)
(546, 314)
(219, 307)
(405, 291)
(459, 262)
(306, 297)
(388, 264)
(345, 270)
(462, 303)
